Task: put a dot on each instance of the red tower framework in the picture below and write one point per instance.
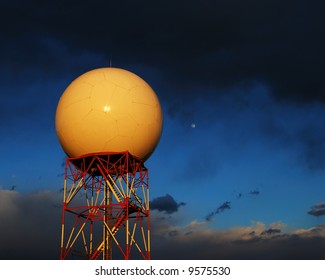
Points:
(105, 208)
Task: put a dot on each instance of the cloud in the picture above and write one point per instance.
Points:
(317, 209)
(227, 205)
(312, 145)
(271, 231)
(165, 204)
(32, 227)
(258, 241)
(232, 43)
(254, 193)
(224, 206)
(235, 49)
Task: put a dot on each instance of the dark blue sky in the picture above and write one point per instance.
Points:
(240, 168)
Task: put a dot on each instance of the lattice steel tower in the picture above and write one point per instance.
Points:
(108, 121)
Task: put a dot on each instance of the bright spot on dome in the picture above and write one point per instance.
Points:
(107, 108)
(193, 125)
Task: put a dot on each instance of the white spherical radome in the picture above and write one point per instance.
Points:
(109, 110)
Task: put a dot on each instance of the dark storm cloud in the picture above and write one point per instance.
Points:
(300, 130)
(223, 44)
(30, 225)
(194, 53)
(317, 210)
(312, 140)
(165, 204)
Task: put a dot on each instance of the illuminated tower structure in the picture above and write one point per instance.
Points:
(108, 122)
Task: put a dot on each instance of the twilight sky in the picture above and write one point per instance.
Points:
(239, 172)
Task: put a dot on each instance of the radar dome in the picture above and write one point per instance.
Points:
(109, 110)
